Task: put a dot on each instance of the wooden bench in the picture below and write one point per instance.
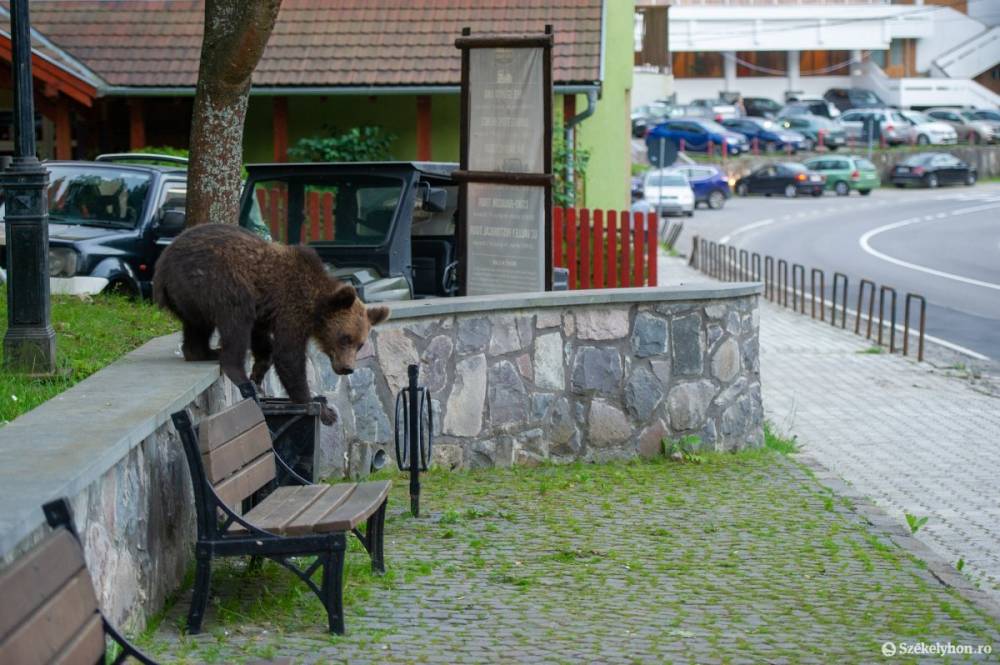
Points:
(48, 609)
(231, 458)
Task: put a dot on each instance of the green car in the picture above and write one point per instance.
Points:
(846, 173)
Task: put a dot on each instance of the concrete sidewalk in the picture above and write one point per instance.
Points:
(912, 437)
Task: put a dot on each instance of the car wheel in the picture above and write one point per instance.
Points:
(923, 140)
(120, 287)
(817, 193)
(931, 180)
(866, 192)
(716, 200)
(970, 179)
(689, 213)
(898, 185)
(791, 192)
(833, 148)
(842, 188)
(742, 190)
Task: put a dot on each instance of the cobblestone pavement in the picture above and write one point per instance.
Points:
(917, 438)
(914, 437)
(741, 558)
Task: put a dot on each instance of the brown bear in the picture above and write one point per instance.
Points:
(261, 296)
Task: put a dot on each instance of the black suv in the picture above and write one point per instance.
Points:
(109, 220)
(389, 228)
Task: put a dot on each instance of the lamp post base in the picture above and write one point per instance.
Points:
(30, 350)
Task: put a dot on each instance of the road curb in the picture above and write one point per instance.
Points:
(877, 518)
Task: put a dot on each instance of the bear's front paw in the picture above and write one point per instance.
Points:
(327, 415)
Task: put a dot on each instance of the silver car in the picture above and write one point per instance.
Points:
(894, 126)
(928, 131)
(969, 127)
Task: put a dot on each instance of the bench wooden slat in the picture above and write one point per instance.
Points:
(324, 503)
(280, 507)
(364, 501)
(48, 630)
(35, 577)
(251, 478)
(86, 647)
(226, 425)
(236, 453)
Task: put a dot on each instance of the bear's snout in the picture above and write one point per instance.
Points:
(344, 371)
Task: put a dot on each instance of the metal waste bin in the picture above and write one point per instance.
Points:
(295, 431)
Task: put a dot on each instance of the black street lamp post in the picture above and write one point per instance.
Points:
(30, 343)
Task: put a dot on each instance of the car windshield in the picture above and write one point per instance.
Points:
(712, 126)
(761, 122)
(864, 97)
(917, 117)
(665, 180)
(985, 115)
(96, 196)
(324, 209)
(794, 166)
(918, 160)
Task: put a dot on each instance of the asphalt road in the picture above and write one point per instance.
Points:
(943, 244)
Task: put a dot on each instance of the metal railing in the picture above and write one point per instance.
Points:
(729, 264)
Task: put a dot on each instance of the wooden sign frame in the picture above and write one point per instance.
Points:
(464, 176)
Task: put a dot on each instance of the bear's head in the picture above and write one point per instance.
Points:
(343, 324)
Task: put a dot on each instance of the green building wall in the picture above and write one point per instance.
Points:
(605, 134)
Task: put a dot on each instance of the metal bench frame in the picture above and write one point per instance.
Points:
(215, 540)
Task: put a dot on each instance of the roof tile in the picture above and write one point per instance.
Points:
(317, 42)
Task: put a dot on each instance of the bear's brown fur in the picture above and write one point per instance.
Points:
(264, 297)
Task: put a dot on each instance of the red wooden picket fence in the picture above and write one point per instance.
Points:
(319, 214)
(605, 249)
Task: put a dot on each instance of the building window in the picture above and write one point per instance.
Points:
(878, 57)
(761, 63)
(825, 63)
(690, 64)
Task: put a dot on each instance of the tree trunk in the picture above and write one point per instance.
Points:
(236, 32)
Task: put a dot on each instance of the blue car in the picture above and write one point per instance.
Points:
(694, 135)
(709, 184)
(770, 136)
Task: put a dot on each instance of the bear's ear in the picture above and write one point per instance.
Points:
(377, 315)
(342, 298)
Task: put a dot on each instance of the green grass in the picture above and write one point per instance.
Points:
(872, 351)
(90, 334)
(741, 553)
(778, 443)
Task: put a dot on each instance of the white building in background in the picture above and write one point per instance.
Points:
(909, 54)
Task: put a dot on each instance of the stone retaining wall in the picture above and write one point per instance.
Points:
(558, 380)
(583, 375)
(107, 444)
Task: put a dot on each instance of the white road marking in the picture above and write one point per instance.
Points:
(865, 242)
(763, 222)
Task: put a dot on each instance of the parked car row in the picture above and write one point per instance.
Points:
(681, 188)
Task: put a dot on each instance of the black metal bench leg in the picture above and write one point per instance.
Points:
(199, 595)
(333, 587)
(375, 533)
